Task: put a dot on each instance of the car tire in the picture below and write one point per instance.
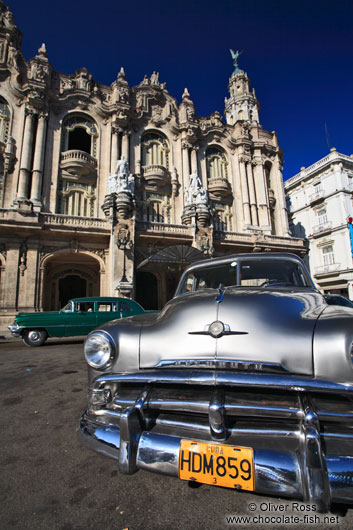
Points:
(34, 337)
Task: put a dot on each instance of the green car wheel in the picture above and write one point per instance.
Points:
(34, 337)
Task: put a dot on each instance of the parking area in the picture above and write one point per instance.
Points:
(49, 481)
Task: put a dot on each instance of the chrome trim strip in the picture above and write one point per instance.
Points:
(216, 415)
(234, 364)
(226, 331)
(212, 377)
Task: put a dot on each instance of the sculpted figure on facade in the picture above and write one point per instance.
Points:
(121, 180)
(154, 78)
(12, 56)
(83, 79)
(195, 193)
(235, 56)
(188, 195)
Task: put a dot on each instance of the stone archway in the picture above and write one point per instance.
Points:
(71, 286)
(164, 268)
(69, 275)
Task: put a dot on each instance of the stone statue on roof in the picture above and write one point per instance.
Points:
(235, 56)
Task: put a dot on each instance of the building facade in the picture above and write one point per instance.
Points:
(113, 190)
(319, 201)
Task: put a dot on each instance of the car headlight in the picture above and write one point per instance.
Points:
(99, 350)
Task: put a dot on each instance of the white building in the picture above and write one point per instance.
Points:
(319, 202)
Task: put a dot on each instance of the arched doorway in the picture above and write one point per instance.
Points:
(69, 275)
(71, 286)
(164, 268)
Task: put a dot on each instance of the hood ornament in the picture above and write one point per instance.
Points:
(220, 296)
(217, 329)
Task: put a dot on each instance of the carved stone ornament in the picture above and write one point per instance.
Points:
(196, 202)
(120, 191)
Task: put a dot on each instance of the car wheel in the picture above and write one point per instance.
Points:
(34, 337)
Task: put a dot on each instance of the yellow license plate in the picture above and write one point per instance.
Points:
(229, 466)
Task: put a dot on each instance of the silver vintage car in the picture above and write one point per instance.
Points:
(243, 380)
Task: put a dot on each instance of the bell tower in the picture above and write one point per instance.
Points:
(242, 104)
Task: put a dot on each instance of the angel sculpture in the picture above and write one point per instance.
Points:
(235, 55)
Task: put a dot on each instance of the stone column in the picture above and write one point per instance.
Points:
(38, 163)
(280, 208)
(245, 191)
(263, 207)
(41, 287)
(253, 205)
(186, 166)
(26, 156)
(194, 160)
(10, 287)
(114, 149)
(125, 147)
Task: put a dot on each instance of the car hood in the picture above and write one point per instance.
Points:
(43, 315)
(266, 330)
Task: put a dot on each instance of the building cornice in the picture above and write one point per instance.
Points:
(310, 171)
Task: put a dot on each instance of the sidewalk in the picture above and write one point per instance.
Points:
(5, 334)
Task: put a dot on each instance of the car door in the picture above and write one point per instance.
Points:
(106, 311)
(82, 320)
(126, 309)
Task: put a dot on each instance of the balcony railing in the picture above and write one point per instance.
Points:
(78, 164)
(326, 269)
(322, 228)
(318, 195)
(73, 221)
(150, 226)
(156, 175)
(219, 186)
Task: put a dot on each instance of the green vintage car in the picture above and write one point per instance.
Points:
(78, 317)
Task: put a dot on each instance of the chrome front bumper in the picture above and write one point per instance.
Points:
(301, 449)
(15, 330)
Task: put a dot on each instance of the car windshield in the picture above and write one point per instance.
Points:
(67, 307)
(246, 273)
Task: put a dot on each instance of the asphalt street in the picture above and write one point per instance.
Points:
(50, 482)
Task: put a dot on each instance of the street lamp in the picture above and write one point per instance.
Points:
(124, 242)
(206, 249)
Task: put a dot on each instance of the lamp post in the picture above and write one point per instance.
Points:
(124, 242)
(206, 249)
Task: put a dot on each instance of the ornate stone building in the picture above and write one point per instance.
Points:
(113, 190)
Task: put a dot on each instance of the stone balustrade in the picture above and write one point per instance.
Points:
(78, 164)
(219, 186)
(145, 226)
(71, 221)
(156, 175)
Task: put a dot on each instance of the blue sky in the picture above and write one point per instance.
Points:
(298, 55)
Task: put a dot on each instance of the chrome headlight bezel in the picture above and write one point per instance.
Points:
(100, 350)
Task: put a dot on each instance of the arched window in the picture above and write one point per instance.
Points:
(78, 167)
(222, 217)
(80, 133)
(155, 150)
(216, 163)
(5, 120)
(241, 115)
(154, 207)
(77, 199)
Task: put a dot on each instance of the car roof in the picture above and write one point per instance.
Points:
(252, 255)
(102, 299)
